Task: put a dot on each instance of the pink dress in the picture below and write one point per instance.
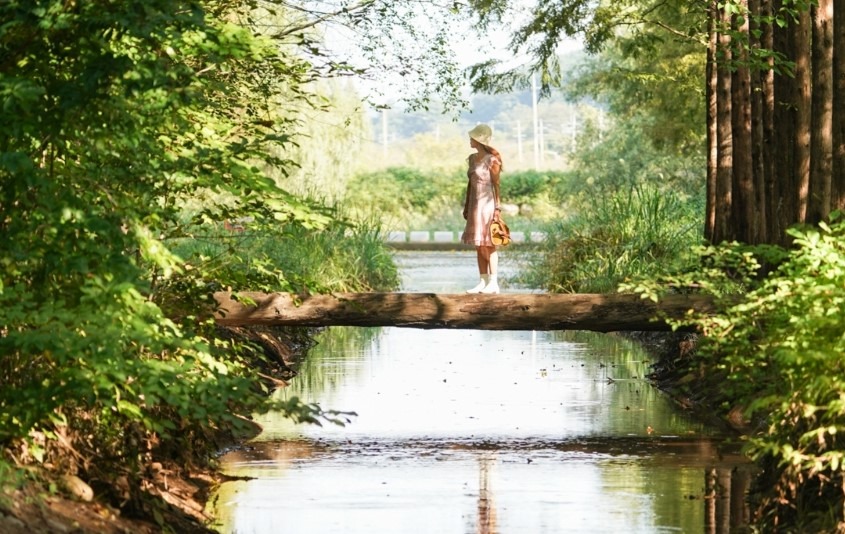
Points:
(481, 201)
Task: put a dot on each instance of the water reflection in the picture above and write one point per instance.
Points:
(486, 523)
(726, 509)
(413, 383)
(483, 432)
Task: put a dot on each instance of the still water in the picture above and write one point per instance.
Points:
(462, 431)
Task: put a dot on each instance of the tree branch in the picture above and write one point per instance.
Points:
(322, 18)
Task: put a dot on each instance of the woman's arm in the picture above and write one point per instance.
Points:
(466, 200)
(495, 169)
(469, 185)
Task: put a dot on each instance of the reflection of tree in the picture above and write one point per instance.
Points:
(324, 365)
(486, 507)
(725, 506)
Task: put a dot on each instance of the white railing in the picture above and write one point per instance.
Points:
(447, 237)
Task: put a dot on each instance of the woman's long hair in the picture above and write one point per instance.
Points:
(490, 150)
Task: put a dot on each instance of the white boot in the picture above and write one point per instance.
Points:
(492, 284)
(481, 285)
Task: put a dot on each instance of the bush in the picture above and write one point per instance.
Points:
(523, 187)
(406, 199)
(777, 349)
(782, 350)
(616, 238)
(402, 196)
(339, 257)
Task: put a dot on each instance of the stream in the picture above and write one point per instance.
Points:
(468, 431)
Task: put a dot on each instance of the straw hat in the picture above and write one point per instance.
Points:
(481, 133)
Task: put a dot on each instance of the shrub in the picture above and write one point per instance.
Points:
(339, 257)
(615, 238)
(777, 349)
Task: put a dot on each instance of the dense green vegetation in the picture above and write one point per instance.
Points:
(133, 132)
(415, 199)
(634, 209)
(614, 238)
(153, 152)
(338, 257)
(773, 355)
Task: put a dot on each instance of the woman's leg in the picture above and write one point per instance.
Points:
(483, 268)
(492, 261)
(482, 256)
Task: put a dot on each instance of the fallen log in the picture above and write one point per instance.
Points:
(515, 311)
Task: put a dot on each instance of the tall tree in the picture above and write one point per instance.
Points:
(758, 135)
(768, 143)
(819, 202)
(765, 168)
(783, 88)
(745, 215)
(724, 200)
(711, 84)
(838, 117)
(801, 32)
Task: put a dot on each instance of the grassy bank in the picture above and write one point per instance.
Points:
(616, 237)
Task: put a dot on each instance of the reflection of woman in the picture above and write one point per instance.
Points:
(481, 206)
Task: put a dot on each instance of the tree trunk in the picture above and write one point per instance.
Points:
(744, 215)
(600, 313)
(768, 189)
(803, 117)
(838, 163)
(723, 230)
(712, 136)
(758, 140)
(783, 198)
(821, 151)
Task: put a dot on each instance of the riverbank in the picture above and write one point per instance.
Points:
(697, 392)
(176, 498)
(41, 497)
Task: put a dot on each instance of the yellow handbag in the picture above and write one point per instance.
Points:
(500, 234)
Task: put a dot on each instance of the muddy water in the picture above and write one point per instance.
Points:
(481, 432)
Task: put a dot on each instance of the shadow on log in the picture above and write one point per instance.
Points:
(599, 313)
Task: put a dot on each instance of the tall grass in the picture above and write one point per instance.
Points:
(643, 231)
(342, 257)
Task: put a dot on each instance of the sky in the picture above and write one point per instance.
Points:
(468, 48)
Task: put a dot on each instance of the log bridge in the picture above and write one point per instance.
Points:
(515, 311)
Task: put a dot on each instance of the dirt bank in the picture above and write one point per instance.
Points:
(41, 497)
(693, 389)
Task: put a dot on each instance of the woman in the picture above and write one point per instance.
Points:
(481, 206)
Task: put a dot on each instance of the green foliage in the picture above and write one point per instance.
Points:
(526, 186)
(339, 257)
(409, 44)
(10, 477)
(409, 199)
(329, 138)
(781, 349)
(625, 157)
(616, 237)
(653, 76)
(777, 346)
(129, 125)
(677, 25)
(404, 197)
